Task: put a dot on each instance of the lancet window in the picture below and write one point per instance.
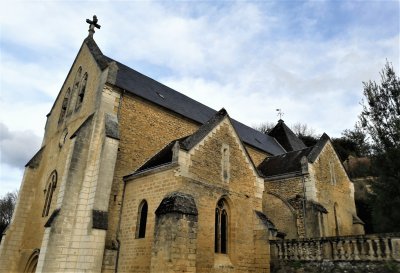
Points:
(221, 227)
(81, 93)
(64, 106)
(48, 192)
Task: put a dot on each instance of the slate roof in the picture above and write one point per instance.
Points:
(283, 164)
(186, 143)
(290, 163)
(286, 137)
(151, 90)
(165, 155)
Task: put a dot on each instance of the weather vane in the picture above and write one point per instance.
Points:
(92, 25)
(280, 113)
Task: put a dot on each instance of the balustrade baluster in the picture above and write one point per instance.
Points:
(306, 250)
(371, 252)
(355, 251)
(339, 249)
(279, 248)
(363, 250)
(335, 250)
(388, 252)
(379, 253)
(285, 252)
(319, 250)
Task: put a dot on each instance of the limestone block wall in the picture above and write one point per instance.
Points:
(175, 235)
(256, 155)
(135, 253)
(283, 215)
(145, 129)
(206, 165)
(283, 202)
(334, 191)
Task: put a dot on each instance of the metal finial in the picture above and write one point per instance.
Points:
(280, 113)
(92, 25)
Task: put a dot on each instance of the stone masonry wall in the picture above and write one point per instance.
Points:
(27, 230)
(289, 190)
(144, 130)
(135, 253)
(333, 188)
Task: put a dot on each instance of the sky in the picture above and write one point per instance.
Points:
(308, 58)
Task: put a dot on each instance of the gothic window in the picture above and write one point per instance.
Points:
(82, 90)
(48, 192)
(221, 227)
(32, 262)
(64, 105)
(142, 219)
(225, 163)
(75, 90)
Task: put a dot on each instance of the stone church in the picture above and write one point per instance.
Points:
(133, 176)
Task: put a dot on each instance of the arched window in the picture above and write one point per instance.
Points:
(64, 105)
(221, 227)
(32, 262)
(75, 90)
(142, 219)
(82, 90)
(48, 192)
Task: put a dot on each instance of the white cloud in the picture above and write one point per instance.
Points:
(249, 57)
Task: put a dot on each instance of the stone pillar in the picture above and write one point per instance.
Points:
(264, 230)
(175, 235)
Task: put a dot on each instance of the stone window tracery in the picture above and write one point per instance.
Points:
(221, 227)
(142, 220)
(81, 93)
(75, 90)
(48, 191)
(64, 106)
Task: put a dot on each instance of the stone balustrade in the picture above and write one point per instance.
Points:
(379, 247)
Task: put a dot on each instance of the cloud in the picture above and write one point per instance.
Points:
(17, 147)
(307, 57)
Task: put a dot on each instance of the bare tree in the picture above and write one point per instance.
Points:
(264, 127)
(7, 204)
(302, 129)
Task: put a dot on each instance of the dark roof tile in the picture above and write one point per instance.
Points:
(151, 90)
(286, 137)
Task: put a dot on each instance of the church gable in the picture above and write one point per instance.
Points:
(78, 95)
(326, 163)
(215, 154)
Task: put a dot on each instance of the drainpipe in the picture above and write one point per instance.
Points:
(304, 171)
(304, 206)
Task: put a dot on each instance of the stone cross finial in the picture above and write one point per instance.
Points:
(93, 24)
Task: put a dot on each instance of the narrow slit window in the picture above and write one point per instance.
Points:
(225, 163)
